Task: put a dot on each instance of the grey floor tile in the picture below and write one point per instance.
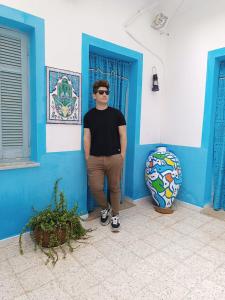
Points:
(10, 288)
(141, 249)
(23, 297)
(203, 236)
(143, 273)
(49, 291)
(166, 289)
(218, 244)
(160, 260)
(102, 268)
(184, 276)
(9, 241)
(206, 290)
(200, 265)
(98, 292)
(155, 256)
(124, 258)
(26, 261)
(122, 291)
(218, 276)
(88, 255)
(177, 252)
(214, 227)
(35, 277)
(190, 243)
(76, 283)
(212, 254)
(156, 240)
(146, 294)
(5, 270)
(183, 227)
(68, 265)
(171, 234)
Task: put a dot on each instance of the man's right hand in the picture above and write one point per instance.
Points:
(87, 143)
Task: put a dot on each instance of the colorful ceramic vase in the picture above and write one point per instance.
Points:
(163, 176)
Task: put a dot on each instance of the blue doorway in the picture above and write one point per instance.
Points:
(219, 143)
(214, 97)
(93, 45)
(116, 72)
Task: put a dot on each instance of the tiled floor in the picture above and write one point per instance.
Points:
(178, 256)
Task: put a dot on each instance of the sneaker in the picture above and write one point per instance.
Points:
(105, 216)
(115, 223)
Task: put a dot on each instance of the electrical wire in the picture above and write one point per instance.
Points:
(146, 48)
(139, 13)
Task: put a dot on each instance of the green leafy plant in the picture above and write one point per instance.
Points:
(54, 227)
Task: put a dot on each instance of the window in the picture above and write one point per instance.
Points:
(14, 97)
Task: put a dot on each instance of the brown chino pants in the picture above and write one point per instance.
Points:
(100, 166)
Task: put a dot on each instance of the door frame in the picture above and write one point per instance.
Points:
(102, 47)
(215, 57)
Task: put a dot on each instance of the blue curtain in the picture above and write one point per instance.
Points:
(117, 73)
(219, 144)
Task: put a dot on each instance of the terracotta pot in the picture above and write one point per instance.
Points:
(39, 235)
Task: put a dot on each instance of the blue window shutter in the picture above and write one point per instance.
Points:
(14, 99)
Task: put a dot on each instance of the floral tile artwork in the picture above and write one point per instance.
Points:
(63, 96)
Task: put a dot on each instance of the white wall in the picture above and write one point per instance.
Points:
(198, 27)
(153, 45)
(174, 115)
(65, 20)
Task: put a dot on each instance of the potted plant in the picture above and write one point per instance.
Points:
(54, 226)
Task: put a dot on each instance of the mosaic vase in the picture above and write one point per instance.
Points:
(163, 177)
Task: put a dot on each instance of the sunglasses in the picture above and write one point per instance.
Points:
(101, 92)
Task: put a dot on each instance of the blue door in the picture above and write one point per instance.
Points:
(219, 144)
(117, 73)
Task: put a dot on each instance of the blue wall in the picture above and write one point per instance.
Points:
(194, 169)
(21, 189)
(193, 164)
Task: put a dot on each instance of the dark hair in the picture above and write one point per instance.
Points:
(100, 83)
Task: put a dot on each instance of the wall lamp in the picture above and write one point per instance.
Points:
(155, 83)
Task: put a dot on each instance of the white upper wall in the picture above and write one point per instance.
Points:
(174, 115)
(66, 20)
(198, 27)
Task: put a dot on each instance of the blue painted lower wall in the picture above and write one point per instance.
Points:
(139, 188)
(21, 189)
(194, 169)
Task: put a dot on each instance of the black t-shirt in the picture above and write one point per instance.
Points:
(103, 124)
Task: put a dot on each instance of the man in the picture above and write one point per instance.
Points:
(105, 147)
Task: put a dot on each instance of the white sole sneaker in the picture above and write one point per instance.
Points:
(108, 220)
(115, 229)
(105, 223)
(115, 223)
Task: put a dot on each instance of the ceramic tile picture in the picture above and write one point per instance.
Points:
(63, 96)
